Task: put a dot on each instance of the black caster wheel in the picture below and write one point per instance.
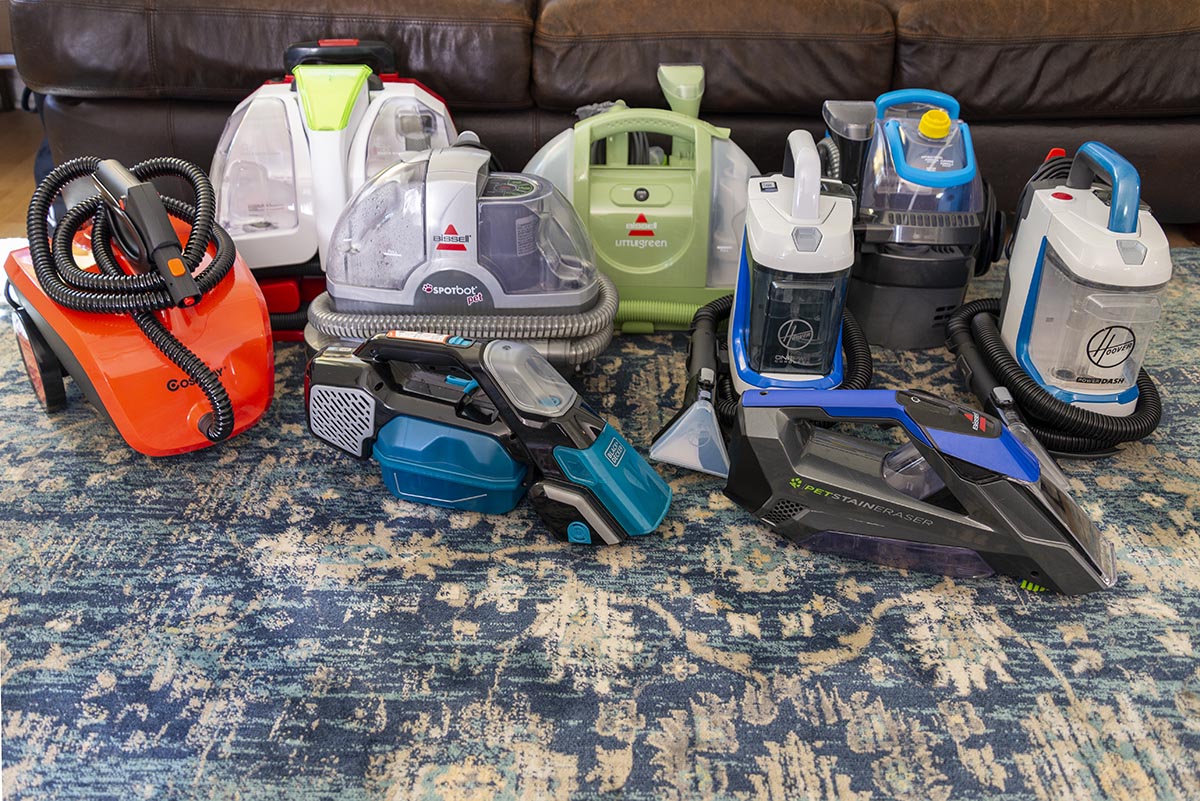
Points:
(44, 369)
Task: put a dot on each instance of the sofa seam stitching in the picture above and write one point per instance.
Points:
(1070, 38)
(192, 11)
(764, 35)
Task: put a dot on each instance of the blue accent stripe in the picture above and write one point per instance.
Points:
(1126, 185)
(929, 97)
(931, 178)
(850, 404)
(1004, 454)
(1026, 361)
(739, 355)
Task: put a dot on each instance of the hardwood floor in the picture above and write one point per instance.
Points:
(20, 137)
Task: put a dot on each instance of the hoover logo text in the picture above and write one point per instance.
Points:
(1111, 346)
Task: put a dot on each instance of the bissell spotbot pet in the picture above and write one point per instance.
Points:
(439, 242)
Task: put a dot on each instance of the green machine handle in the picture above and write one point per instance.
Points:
(619, 121)
(650, 120)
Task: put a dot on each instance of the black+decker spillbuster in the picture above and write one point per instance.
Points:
(474, 424)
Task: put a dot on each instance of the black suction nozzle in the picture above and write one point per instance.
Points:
(144, 229)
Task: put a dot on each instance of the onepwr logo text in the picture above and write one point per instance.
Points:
(850, 500)
(176, 384)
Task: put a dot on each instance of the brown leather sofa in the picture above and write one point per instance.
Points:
(132, 79)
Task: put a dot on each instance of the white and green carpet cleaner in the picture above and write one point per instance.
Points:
(295, 150)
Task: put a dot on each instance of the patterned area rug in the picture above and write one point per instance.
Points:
(263, 620)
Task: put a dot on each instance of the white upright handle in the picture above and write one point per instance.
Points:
(453, 182)
(806, 192)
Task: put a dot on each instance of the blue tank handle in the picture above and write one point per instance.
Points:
(1094, 158)
(931, 178)
(929, 97)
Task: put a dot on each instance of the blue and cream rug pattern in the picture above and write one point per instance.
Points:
(263, 620)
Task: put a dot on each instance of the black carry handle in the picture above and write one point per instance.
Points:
(435, 350)
(415, 347)
(375, 54)
(141, 217)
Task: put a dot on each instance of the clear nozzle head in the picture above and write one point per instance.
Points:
(683, 86)
(693, 441)
(850, 119)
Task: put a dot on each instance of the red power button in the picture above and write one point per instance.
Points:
(1062, 196)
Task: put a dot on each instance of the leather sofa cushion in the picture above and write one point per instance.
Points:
(1046, 59)
(773, 56)
(475, 53)
(6, 44)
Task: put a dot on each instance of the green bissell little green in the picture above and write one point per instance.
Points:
(666, 227)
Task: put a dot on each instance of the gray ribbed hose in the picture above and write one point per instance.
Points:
(831, 159)
(568, 339)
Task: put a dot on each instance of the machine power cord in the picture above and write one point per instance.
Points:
(1061, 427)
(112, 290)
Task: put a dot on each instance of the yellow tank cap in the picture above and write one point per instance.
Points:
(935, 124)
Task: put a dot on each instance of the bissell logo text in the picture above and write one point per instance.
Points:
(451, 240)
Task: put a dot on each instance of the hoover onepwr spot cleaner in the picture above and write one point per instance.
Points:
(666, 228)
(473, 425)
(297, 148)
(789, 327)
(437, 242)
(172, 344)
(927, 221)
(1087, 269)
(965, 496)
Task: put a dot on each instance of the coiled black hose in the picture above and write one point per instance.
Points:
(1059, 426)
(113, 291)
(290, 321)
(858, 368)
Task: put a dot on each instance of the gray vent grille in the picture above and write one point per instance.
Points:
(783, 511)
(917, 219)
(342, 417)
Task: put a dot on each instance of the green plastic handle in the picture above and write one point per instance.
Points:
(650, 120)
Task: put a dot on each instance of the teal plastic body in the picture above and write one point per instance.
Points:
(428, 462)
(625, 483)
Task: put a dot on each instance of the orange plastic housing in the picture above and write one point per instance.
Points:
(153, 403)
